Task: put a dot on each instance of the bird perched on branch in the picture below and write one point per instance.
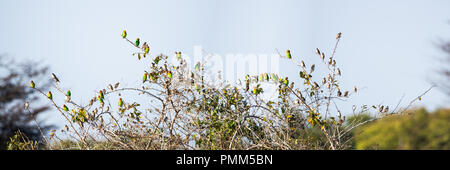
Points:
(124, 34)
(49, 95)
(146, 48)
(286, 81)
(137, 42)
(27, 105)
(169, 74)
(32, 85)
(120, 102)
(65, 108)
(110, 87)
(178, 54)
(144, 78)
(197, 66)
(55, 78)
(288, 54)
(101, 96)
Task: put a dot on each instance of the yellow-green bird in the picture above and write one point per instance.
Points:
(101, 96)
(196, 86)
(286, 81)
(100, 99)
(137, 42)
(255, 90)
(49, 95)
(32, 85)
(65, 108)
(274, 77)
(197, 66)
(169, 74)
(156, 60)
(144, 78)
(146, 48)
(178, 54)
(288, 54)
(120, 102)
(100, 93)
(68, 93)
(124, 34)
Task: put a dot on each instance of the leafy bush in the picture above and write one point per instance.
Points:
(184, 110)
(417, 129)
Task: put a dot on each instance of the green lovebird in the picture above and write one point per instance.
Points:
(124, 34)
(156, 60)
(101, 94)
(286, 81)
(178, 54)
(196, 86)
(288, 54)
(65, 108)
(145, 47)
(120, 102)
(266, 76)
(255, 90)
(137, 42)
(49, 95)
(32, 85)
(145, 77)
(68, 93)
(100, 99)
(274, 77)
(169, 74)
(197, 66)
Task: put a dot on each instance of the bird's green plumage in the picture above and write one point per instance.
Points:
(49, 95)
(32, 85)
(144, 78)
(124, 34)
(137, 42)
(120, 102)
(65, 108)
(288, 54)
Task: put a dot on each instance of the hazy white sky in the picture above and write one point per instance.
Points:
(388, 47)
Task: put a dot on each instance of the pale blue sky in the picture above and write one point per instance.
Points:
(387, 46)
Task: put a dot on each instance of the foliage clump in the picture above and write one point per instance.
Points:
(417, 130)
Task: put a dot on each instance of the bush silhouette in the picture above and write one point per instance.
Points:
(14, 118)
